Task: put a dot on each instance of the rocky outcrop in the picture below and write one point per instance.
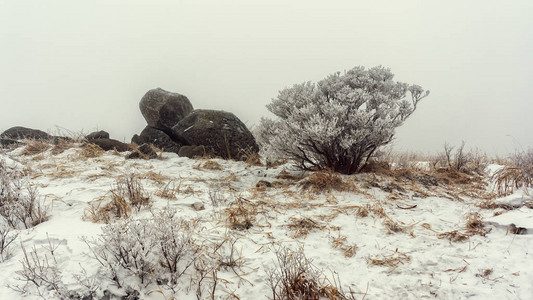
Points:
(158, 138)
(220, 132)
(19, 132)
(110, 144)
(97, 135)
(163, 109)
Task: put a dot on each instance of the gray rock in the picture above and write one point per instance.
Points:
(194, 151)
(9, 143)
(158, 138)
(97, 135)
(110, 144)
(163, 109)
(263, 183)
(219, 131)
(198, 205)
(19, 132)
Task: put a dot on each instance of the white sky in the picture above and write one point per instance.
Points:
(84, 65)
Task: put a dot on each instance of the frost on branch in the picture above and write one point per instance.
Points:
(339, 122)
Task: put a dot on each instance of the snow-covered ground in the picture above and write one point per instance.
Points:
(371, 236)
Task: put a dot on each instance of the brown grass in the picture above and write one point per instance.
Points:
(157, 177)
(61, 146)
(127, 194)
(287, 176)
(90, 151)
(340, 243)
(474, 225)
(323, 181)
(209, 165)
(241, 214)
(253, 159)
(34, 147)
(302, 226)
(393, 261)
(510, 178)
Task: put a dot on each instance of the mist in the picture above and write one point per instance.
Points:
(77, 66)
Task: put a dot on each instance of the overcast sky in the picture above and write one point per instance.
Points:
(84, 65)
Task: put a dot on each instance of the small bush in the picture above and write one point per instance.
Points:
(21, 206)
(340, 122)
(6, 238)
(141, 252)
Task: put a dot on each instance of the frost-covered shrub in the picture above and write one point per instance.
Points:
(137, 253)
(339, 122)
(21, 206)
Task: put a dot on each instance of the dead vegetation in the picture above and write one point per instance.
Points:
(87, 151)
(128, 194)
(323, 181)
(209, 165)
(516, 174)
(340, 242)
(302, 226)
(241, 214)
(34, 147)
(295, 277)
(393, 261)
(474, 225)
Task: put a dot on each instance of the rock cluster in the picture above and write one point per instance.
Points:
(174, 126)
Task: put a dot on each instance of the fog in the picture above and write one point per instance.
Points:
(85, 65)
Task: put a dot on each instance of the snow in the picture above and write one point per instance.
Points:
(428, 267)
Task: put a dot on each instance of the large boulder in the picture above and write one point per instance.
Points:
(19, 132)
(158, 138)
(163, 109)
(219, 131)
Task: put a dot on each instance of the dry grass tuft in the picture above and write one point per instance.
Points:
(157, 177)
(167, 192)
(340, 243)
(61, 146)
(491, 204)
(474, 225)
(253, 159)
(510, 178)
(393, 261)
(209, 165)
(302, 226)
(241, 214)
(287, 176)
(393, 226)
(127, 194)
(90, 151)
(454, 236)
(295, 277)
(321, 181)
(34, 147)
